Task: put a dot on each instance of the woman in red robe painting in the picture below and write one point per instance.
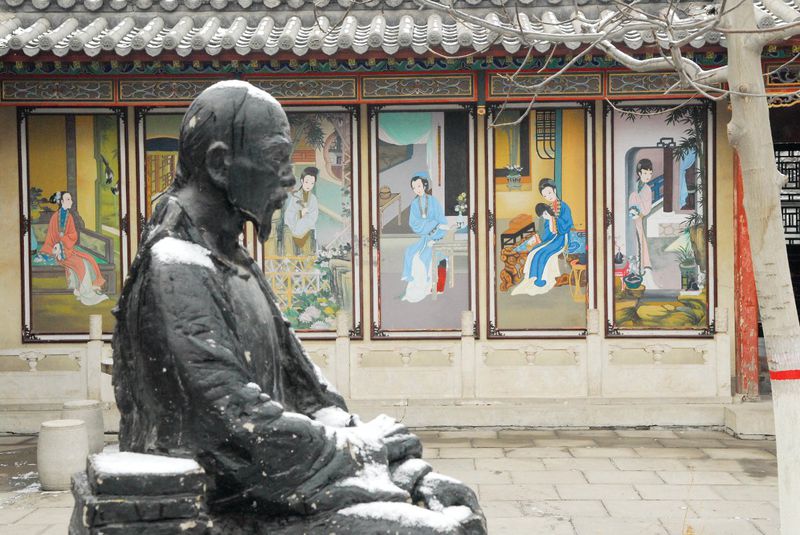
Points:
(83, 274)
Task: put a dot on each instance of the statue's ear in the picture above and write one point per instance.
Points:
(218, 163)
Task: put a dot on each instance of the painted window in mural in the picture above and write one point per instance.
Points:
(660, 181)
(309, 259)
(75, 249)
(539, 245)
(422, 198)
(160, 133)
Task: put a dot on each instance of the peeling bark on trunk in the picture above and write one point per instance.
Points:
(749, 133)
(747, 365)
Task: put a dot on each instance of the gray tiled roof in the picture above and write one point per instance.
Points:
(56, 30)
(200, 5)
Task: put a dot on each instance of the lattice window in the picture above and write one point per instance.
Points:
(787, 156)
(160, 169)
(546, 134)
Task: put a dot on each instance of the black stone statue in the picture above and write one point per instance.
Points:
(206, 366)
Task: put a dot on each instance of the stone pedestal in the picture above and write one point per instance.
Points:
(130, 493)
(91, 412)
(61, 451)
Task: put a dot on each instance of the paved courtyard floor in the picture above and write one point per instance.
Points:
(531, 482)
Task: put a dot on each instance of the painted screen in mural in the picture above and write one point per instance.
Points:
(75, 242)
(308, 259)
(421, 203)
(540, 237)
(659, 249)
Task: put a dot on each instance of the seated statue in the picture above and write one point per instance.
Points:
(207, 367)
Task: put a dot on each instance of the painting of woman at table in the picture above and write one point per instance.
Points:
(541, 265)
(428, 222)
(420, 195)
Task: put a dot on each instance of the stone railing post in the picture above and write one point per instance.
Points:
(342, 353)
(723, 352)
(94, 354)
(468, 389)
(594, 353)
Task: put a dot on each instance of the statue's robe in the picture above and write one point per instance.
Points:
(206, 366)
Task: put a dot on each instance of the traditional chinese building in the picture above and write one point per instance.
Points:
(581, 261)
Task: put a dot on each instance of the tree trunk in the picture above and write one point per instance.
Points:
(749, 133)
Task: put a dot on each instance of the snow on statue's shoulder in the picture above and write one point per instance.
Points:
(126, 462)
(174, 251)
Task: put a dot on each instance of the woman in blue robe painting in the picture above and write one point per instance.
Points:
(541, 265)
(427, 221)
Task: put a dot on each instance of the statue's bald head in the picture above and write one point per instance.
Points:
(226, 111)
(238, 135)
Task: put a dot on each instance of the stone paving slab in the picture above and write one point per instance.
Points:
(536, 481)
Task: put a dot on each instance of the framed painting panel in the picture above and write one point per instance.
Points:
(660, 200)
(540, 252)
(309, 260)
(75, 244)
(312, 258)
(422, 200)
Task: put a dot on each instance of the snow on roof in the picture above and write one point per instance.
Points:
(246, 33)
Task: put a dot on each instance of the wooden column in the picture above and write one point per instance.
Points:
(746, 300)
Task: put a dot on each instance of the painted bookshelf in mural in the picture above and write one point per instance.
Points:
(540, 256)
(422, 201)
(660, 271)
(309, 259)
(75, 249)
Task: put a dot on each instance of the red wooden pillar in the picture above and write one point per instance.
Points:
(746, 300)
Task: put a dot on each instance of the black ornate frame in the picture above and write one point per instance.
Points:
(612, 329)
(493, 329)
(28, 333)
(379, 331)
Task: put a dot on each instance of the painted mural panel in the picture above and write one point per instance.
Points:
(660, 272)
(539, 244)
(74, 249)
(309, 259)
(422, 196)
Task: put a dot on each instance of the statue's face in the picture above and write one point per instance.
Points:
(261, 172)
